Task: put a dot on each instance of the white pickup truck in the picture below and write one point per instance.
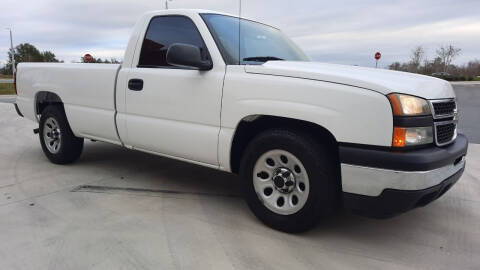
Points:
(237, 95)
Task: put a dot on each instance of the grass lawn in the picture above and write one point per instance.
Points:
(6, 89)
(5, 76)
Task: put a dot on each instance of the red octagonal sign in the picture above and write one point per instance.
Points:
(87, 58)
(378, 55)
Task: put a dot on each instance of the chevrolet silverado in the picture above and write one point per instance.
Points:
(237, 95)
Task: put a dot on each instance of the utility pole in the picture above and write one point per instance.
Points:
(12, 51)
(166, 3)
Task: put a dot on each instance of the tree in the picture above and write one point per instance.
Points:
(416, 58)
(395, 66)
(433, 66)
(48, 56)
(398, 66)
(447, 54)
(473, 68)
(426, 62)
(26, 52)
(100, 61)
(94, 60)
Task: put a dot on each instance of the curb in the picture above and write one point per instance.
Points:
(8, 99)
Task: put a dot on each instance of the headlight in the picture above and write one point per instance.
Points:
(409, 136)
(405, 105)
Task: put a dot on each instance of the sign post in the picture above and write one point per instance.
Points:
(87, 58)
(12, 51)
(378, 55)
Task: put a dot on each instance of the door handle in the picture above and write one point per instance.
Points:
(135, 84)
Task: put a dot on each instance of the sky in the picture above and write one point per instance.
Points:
(343, 32)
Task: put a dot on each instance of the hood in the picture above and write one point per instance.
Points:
(379, 80)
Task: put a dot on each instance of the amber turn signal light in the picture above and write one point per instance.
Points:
(396, 105)
(398, 137)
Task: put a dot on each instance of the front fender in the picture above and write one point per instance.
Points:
(351, 114)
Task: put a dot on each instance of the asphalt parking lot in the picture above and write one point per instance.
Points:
(120, 209)
(468, 98)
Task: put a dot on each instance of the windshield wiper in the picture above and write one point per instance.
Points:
(261, 58)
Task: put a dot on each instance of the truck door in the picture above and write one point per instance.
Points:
(170, 110)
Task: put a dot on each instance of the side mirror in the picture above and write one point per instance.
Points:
(185, 55)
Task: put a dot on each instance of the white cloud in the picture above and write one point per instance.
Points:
(395, 44)
(339, 31)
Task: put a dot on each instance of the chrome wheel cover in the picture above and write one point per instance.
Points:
(52, 135)
(281, 182)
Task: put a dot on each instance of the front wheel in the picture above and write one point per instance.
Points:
(56, 137)
(290, 180)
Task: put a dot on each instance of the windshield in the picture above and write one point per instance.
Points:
(258, 42)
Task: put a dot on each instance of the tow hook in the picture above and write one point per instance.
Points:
(36, 130)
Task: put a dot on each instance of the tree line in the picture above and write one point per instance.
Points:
(100, 61)
(441, 65)
(27, 52)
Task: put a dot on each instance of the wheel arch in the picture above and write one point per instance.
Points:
(44, 99)
(252, 125)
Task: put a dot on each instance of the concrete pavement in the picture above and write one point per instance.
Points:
(121, 209)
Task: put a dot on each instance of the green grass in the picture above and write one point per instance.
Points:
(476, 78)
(5, 76)
(6, 89)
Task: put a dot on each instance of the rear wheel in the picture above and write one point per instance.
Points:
(56, 137)
(289, 179)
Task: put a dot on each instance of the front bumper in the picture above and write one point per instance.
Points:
(383, 183)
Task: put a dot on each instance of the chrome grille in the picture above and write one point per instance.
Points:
(443, 108)
(445, 131)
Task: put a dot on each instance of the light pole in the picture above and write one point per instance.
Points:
(12, 51)
(166, 3)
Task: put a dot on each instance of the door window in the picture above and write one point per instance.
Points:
(164, 31)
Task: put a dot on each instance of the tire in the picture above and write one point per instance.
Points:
(56, 137)
(316, 169)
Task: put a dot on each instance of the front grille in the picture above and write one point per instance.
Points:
(444, 113)
(444, 108)
(445, 133)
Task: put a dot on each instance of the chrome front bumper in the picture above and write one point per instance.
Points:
(370, 181)
(379, 182)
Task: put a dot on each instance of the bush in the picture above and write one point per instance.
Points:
(455, 78)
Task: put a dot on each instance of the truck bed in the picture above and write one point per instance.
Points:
(86, 90)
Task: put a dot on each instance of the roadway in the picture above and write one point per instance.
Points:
(468, 98)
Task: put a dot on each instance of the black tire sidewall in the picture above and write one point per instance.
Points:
(70, 147)
(320, 170)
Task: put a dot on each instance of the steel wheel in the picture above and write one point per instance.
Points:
(52, 135)
(281, 182)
